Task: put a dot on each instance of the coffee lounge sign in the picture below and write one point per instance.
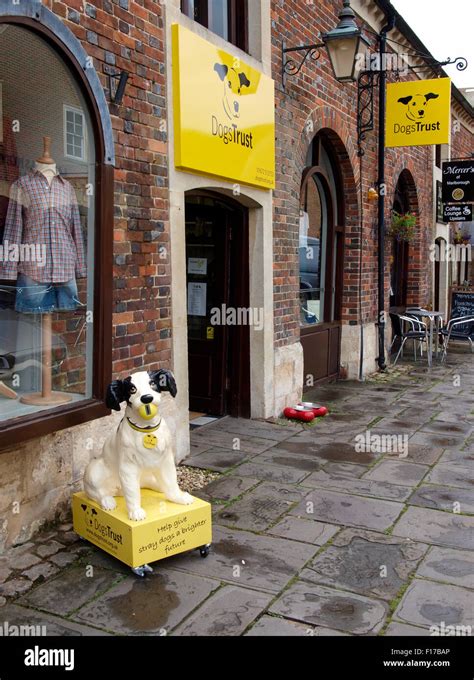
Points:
(458, 181)
(457, 213)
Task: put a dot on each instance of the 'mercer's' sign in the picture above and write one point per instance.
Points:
(458, 181)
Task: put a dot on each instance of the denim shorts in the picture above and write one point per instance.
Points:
(33, 297)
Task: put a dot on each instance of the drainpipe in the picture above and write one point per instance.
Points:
(381, 186)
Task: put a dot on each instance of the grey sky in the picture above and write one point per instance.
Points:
(446, 28)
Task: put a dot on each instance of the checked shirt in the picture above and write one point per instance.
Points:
(40, 214)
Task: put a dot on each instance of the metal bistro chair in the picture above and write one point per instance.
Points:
(459, 328)
(417, 332)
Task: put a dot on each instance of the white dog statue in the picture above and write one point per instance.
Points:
(140, 453)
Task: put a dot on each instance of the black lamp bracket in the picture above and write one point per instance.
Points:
(291, 66)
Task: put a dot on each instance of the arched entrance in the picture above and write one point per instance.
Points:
(218, 312)
(402, 203)
(321, 256)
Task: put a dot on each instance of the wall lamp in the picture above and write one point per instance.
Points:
(117, 84)
(344, 43)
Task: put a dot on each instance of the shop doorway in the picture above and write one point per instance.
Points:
(321, 259)
(400, 251)
(217, 279)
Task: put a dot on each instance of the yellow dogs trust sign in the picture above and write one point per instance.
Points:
(224, 114)
(418, 112)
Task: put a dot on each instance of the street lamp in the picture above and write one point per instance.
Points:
(346, 44)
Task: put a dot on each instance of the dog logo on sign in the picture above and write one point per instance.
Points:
(416, 105)
(233, 81)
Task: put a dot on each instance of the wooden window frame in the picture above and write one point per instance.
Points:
(44, 422)
(237, 13)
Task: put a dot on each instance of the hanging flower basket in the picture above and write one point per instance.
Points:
(402, 227)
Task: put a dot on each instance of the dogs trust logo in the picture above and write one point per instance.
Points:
(233, 80)
(416, 105)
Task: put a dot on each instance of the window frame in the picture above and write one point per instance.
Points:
(43, 422)
(237, 18)
(74, 109)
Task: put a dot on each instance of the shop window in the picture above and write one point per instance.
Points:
(47, 165)
(227, 18)
(320, 240)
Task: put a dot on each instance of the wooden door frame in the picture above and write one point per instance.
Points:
(237, 396)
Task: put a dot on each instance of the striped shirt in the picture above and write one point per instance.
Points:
(43, 215)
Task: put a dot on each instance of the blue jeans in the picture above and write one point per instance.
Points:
(33, 297)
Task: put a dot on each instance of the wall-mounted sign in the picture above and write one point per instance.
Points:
(457, 213)
(224, 113)
(458, 181)
(439, 202)
(418, 112)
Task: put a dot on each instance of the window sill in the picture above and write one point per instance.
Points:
(42, 423)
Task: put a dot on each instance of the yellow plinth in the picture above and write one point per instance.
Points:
(168, 529)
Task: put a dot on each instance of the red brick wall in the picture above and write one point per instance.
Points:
(129, 35)
(314, 95)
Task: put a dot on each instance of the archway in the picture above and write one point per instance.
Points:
(404, 201)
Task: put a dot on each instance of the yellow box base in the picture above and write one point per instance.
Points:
(169, 528)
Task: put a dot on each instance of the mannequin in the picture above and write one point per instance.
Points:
(43, 210)
(46, 165)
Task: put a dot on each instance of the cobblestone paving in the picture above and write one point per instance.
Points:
(312, 534)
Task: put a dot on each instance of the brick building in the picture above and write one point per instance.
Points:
(175, 227)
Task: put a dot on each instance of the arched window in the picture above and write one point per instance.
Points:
(320, 241)
(53, 268)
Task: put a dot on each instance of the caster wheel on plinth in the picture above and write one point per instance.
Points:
(204, 550)
(141, 571)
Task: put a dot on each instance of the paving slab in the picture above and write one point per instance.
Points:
(438, 441)
(433, 526)
(305, 530)
(229, 487)
(282, 458)
(230, 440)
(245, 559)
(452, 475)
(367, 563)
(323, 606)
(404, 630)
(339, 508)
(398, 425)
(450, 498)
(70, 590)
(397, 472)
(449, 566)
(216, 459)
(426, 455)
(434, 604)
(23, 616)
(360, 487)
(259, 428)
(461, 429)
(227, 612)
(462, 457)
(345, 470)
(278, 627)
(150, 606)
(271, 473)
(261, 507)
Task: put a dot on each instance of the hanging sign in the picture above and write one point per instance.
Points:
(224, 113)
(457, 213)
(418, 112)
(458, 181)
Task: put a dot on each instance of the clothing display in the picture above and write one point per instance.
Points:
(48, 217)
(41, 298)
